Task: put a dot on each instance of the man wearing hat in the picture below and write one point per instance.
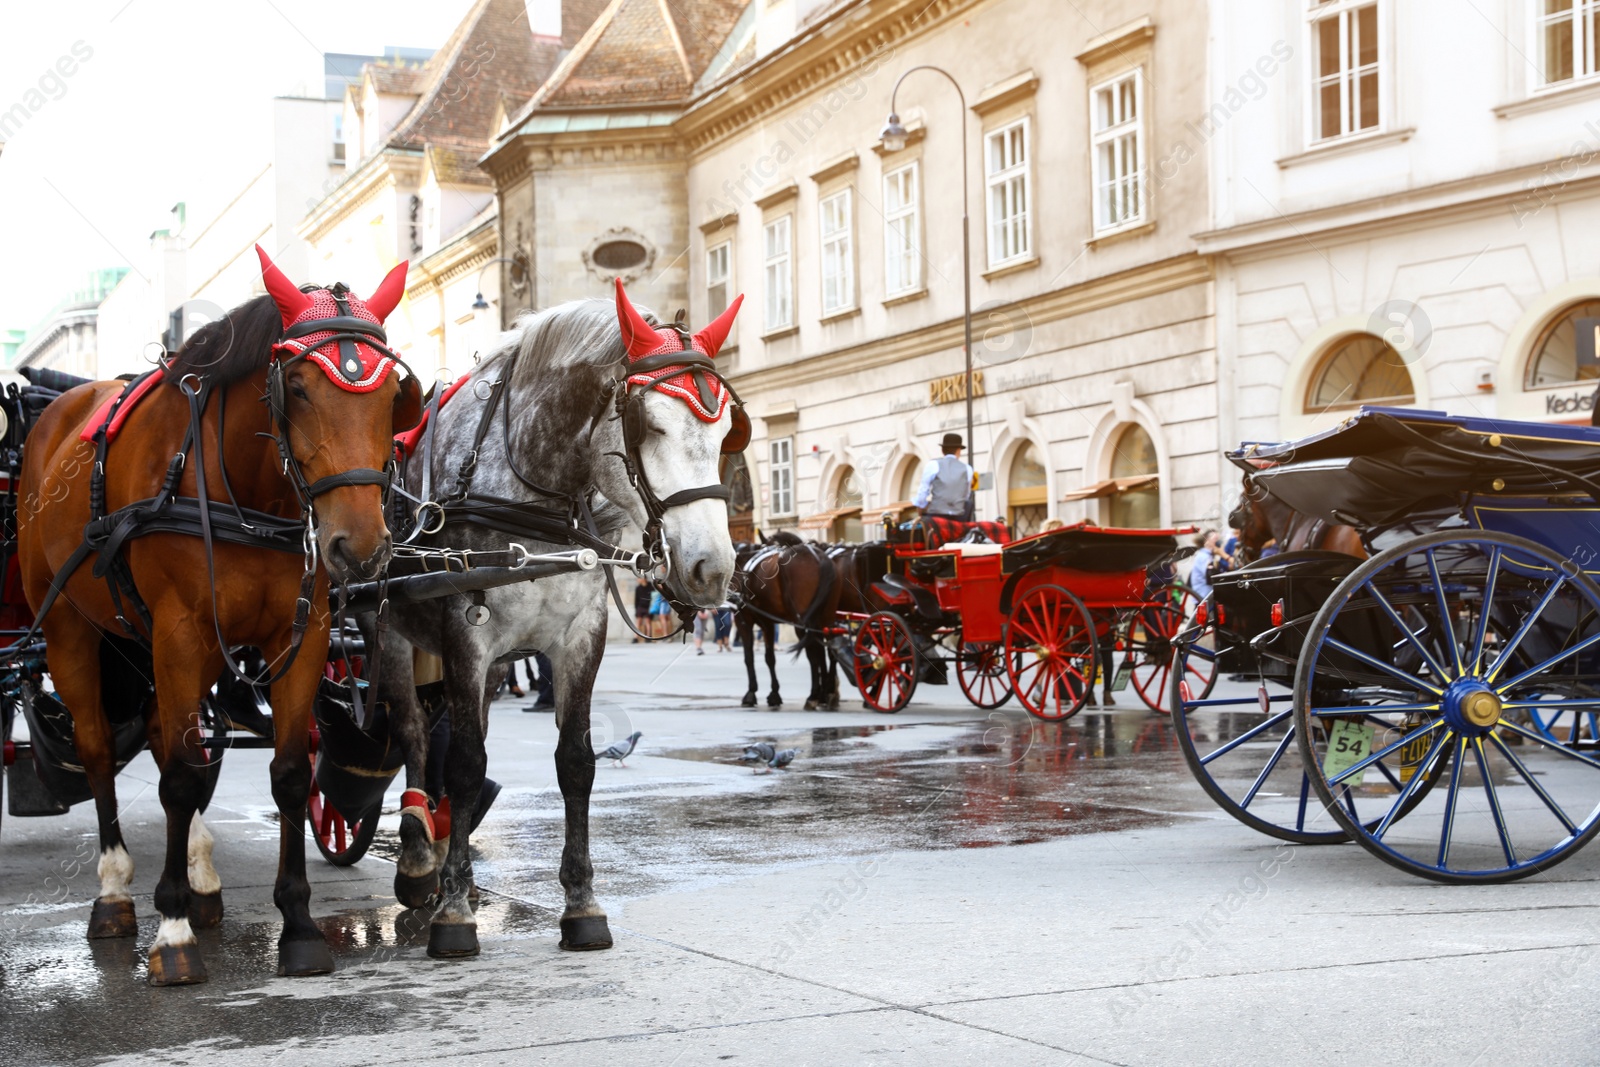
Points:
(946, 489)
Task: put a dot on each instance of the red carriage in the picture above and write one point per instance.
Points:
(1041, 617)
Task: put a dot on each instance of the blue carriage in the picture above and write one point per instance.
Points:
(1439, 701)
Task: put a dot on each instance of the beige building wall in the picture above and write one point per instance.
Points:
(1077, 340)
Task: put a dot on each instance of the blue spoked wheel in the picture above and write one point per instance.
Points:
(1240, 745)
(1430, 662)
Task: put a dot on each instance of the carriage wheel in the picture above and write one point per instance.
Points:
(1050, 652)
(1434, 654)
(1241, 749)
(981, 670)
(1150, 637)
(886, 662)
(340, 841)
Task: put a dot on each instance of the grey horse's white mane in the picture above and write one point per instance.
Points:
(573, 334)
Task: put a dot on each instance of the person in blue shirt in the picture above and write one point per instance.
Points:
(946, 486)
(1202, 563)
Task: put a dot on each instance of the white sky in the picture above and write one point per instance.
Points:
(173, 105)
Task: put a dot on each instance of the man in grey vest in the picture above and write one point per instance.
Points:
(946, 488)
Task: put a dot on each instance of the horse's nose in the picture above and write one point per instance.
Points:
(346, 559)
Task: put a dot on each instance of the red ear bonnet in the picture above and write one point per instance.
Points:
(704, 393)
(336, 329)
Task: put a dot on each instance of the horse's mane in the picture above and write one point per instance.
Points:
(575, 334)
(232, 347)
(786, 538)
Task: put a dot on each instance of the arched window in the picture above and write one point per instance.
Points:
(1027, 503)
(1555, 355)
(910, 479)
(1360, 369)
(1134, 463)
(847, 494)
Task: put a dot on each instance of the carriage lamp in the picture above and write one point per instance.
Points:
(1200, 615)
(1277, 613)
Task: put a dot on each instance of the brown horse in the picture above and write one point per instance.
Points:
(1261, 519)
(168, 611)
(787, 580)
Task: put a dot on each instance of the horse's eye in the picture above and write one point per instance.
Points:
(298, 390)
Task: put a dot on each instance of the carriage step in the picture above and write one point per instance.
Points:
(27, 794)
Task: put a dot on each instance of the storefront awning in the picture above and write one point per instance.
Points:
(1113, 486)
(824, 520)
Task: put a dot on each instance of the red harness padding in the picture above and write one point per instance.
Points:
(406, 443)
(113, 425)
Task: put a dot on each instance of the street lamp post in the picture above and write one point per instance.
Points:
(479, 303)
(894, 139)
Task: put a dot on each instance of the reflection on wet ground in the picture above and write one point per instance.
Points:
(863, 789)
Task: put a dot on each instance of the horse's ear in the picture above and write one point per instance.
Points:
(638, 335)
(711, 339)
(292, 303)
(407, 405)
(386, 297)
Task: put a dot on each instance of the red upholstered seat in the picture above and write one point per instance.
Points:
(931, 531)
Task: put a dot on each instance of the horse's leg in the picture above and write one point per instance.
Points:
(416, 875)
(302, 950)
(205, 899)
(583, 923)
(183, 673)
(770, 632)
(470, 682)
(73, 641)
(814, 695)
(832, 688)
(747, 640)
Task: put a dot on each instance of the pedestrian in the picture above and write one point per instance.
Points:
(510, 683)
(946, 487)
(544, 686)
(702, 622)
(658, 605)
(724, 627)
(641, 608)
(1206, 564)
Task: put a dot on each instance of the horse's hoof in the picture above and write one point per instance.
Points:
(452, 941)
(112, 918)
(586, 933)
(749, 701)
(177, 965)
(774, 702)
(416, 890)
(302, 959)
(205, 910)
(810, 705)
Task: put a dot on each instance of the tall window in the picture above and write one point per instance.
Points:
(780, 274)
(1027, 498)
(1006, 163)
(1566, 31)
(900, 251)
(848, 495)
(1344, 48)
(717, 263)
(1133, 462)
(1116, 115)
(780, 474)
(838, 266)
(1361, 369)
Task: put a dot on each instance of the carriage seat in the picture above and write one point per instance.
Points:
(932, 532)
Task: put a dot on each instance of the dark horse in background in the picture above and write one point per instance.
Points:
(787, 580)
(1261, 519)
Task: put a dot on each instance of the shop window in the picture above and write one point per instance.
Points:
(1027, 496)
(1134, 464)
(1360, 369)
(1555, 354)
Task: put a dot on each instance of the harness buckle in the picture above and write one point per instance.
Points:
(433, 508)
(521, 555)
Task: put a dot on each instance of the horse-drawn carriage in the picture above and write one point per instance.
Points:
(1040, 617)
(1439, 701)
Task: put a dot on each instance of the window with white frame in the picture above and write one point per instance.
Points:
(780, 273)
(1006, 169)
(901, 254)
(838, 266)
(780, 474)
(717, 263)
(1566, 31)
(1344, 63)
(1116, 123)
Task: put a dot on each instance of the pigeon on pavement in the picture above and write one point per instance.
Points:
(619, 752)
(782, 758)
(761, 752)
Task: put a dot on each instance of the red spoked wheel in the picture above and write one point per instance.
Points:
(341, 842)
(981, 670)
(1050, 652)
(886, 662)
(1150, 635)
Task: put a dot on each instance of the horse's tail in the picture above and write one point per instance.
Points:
(813, 616)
